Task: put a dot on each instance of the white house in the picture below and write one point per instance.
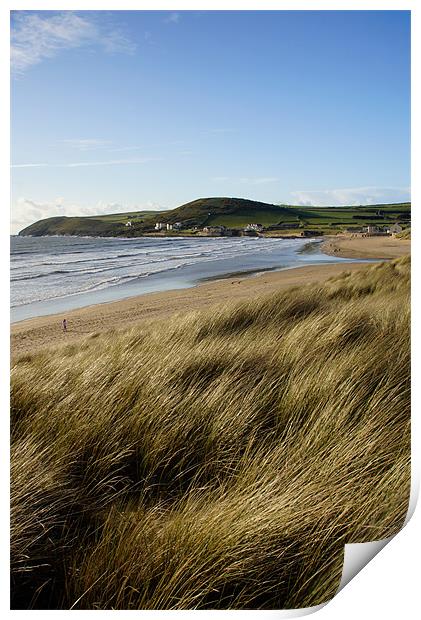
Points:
(371, 230)
(255, 227)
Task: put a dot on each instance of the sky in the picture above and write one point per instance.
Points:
(113, 111)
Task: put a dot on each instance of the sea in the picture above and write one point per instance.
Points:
(50, 275)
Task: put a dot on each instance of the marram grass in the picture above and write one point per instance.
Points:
(215, 461)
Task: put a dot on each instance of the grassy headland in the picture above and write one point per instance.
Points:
(234, 213)
(216, 460)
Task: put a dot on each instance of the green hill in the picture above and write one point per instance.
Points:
(72, 226)
(224, 211)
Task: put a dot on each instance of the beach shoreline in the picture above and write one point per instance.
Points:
(36, 333)
(39, 332)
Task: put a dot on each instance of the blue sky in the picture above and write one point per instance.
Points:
(113, 111)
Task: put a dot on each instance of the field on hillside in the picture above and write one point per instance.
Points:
(262, 216)
(129, 215)
(234, 213)
(217, 461)
(322, 218)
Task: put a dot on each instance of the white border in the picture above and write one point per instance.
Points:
(386, 588)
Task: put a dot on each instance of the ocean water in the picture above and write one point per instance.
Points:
(54, 274)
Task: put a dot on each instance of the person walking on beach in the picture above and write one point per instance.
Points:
(64, 323)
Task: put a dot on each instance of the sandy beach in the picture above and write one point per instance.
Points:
(36, 333)
(366, 247)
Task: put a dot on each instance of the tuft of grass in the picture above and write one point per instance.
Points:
(216, 461)
(405, 234)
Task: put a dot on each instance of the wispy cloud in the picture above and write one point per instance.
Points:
(30, 165)
(77, 164)
(352, 196)
(172, 18)
(86, 144)
(111, 162)
(258, 180)
(126, 148)
(219, 130)
(38, 36)
(90, 144)
(246, 180)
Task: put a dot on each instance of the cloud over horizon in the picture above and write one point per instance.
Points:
(27, 211)
(36, 37)
(352, 196)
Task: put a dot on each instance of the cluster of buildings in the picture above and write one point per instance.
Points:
(212, 231)
(253, 230)
(373, 231)
(166, 226)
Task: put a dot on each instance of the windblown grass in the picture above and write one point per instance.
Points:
(405, 234)
(216, 461)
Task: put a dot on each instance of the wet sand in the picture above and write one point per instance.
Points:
(40, 332)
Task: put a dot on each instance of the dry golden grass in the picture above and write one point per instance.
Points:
(216, 461)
